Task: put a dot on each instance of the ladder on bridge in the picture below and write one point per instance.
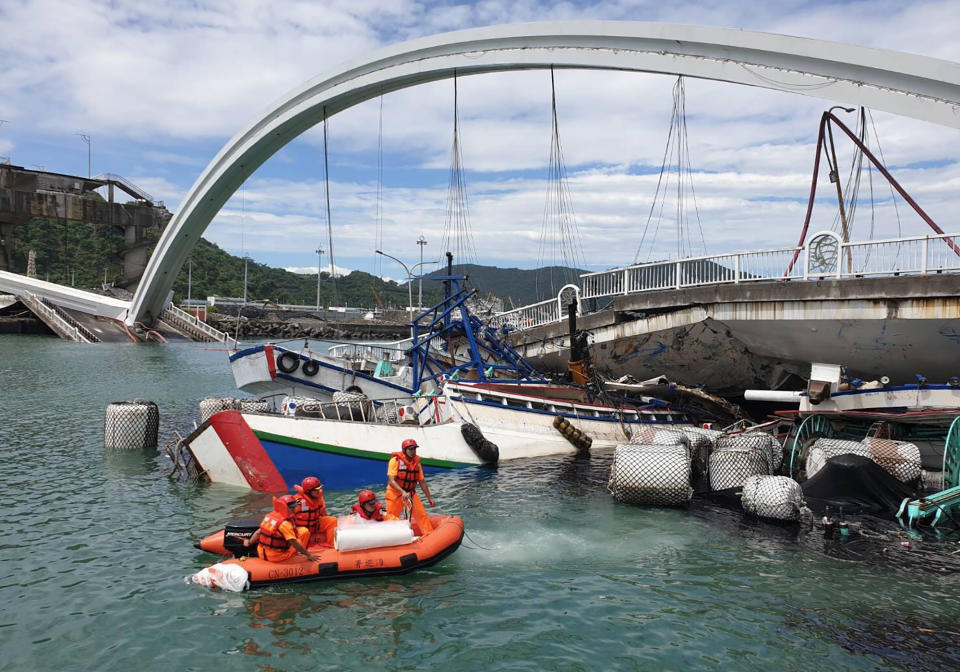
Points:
(59, 320)
(193, 327)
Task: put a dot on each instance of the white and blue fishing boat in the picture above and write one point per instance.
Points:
(470, 400)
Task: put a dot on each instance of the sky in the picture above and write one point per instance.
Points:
(160, 87)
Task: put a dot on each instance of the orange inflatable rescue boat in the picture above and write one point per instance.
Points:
(333, 563)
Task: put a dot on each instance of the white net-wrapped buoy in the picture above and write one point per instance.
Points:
(213, 405)
(131, 425)
(766, 443)
(900, 458)
(775, 497)
(252, 406)
(651, 474)
(730, 467)
(823, 449)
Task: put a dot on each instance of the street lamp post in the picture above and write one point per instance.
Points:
(421, 241)
(320, 252)
(409, 283)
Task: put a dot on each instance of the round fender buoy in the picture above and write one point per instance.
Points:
(288, 362)
(310, 367)
(487, 451)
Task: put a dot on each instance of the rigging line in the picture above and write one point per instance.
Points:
(883, 161)
(326, 189)
(693, 191)
(378, 238)
(656, 195)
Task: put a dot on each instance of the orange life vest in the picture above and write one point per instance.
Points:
(408, 472)
(309, 511)
(376, 515)
(270, 536)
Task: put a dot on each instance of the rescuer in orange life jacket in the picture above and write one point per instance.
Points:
(312, 512)
(368, 508)
(278, 534)
(404, 472)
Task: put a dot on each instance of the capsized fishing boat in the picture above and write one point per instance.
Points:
(340, 562)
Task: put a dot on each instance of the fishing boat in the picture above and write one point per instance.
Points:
(334, 563)
(472, 400)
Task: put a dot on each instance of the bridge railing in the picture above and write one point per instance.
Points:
(918, 255)
(824, 256)
(710, 270)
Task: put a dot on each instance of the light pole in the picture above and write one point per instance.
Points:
(409, 282)
(320, 252)
(86, 139)
(421, 241)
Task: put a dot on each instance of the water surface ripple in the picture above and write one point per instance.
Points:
(553, 575)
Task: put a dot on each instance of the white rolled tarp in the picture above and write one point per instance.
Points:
(360, 535)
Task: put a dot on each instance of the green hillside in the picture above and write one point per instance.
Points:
(84, 255)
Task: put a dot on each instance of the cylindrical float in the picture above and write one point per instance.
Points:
(131, 425)
(353, 535)
(824, 448)
(775, 497)
(730, 467)
(213, 405)
(900, 458)
(767, 443)
(651, 474)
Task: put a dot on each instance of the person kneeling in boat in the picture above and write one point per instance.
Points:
(312, 512)
(404, 473)
(368, 508)
(278, 536)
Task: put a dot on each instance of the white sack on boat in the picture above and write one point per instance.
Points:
(227, 577)
(357, 537)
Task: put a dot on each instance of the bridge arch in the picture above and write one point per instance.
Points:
(905, 84)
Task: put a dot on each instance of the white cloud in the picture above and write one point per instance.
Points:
(161, 86)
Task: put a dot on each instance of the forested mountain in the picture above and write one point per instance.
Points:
(84, 255)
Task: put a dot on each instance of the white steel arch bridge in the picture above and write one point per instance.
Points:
(904, 84)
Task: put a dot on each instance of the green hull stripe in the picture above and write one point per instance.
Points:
(353, 452)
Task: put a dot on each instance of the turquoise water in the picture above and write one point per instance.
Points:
(553, 575)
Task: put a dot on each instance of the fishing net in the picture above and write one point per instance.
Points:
(776, 497)
(651, 474)
(131, 425)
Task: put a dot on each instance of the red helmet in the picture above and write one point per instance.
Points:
(408, 443)
(366, 496)
(310, 483)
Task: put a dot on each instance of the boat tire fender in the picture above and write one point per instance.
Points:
(487, 451)
(288, 362)
(310, 367)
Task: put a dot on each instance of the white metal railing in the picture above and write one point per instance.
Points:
(718, 269)
(198, 324)
(824, 256)
(392, 352)
(69, 330)
(537, 314)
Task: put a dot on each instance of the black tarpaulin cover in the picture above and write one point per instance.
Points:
(856, 483)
